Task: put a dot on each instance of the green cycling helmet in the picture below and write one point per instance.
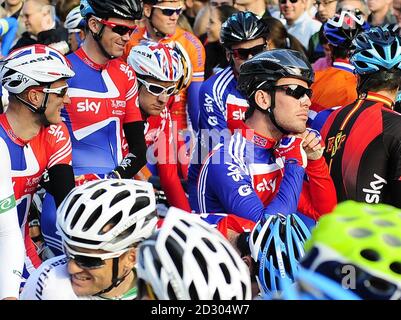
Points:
(359, 245)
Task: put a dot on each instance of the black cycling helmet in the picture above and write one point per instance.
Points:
(242, 26)
(123, 9)
(265, 69)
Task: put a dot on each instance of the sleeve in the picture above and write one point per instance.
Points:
(9, 27)
(318, 195)
(193, 104)
(60, 145)
(12, 251)
(132, 110)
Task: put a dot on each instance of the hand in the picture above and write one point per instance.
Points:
(312, 144)
(113, 175)
(290, 149)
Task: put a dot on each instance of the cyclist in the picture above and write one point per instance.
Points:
(101, 223)
(75, 24)
(363, 139)
(188, 260)
(33, 139)
(340, 31)
(158, 68)
(104, 110)
(221, 104)
(357, 246)
(260, 170)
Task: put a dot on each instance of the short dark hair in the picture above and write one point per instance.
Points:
(382, 80)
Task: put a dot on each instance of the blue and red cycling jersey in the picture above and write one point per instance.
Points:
(103, 98)
(243, 177)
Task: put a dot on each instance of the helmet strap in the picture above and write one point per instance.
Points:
(115, 280)
(98, 38)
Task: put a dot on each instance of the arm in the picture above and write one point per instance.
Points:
(136, 158)
(12, 251)
(8, 27)
(61, 180)
(193, 104)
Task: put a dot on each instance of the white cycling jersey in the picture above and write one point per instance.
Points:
(51, 281)
(12, 250)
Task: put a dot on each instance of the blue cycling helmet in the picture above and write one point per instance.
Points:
(277, 247)
(310, 285)
(343, 28)
(377, 49)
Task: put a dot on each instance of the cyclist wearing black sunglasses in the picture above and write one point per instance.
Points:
(260, 170)
(101, 224)
(158, 68)
(103, 116)
(33, 139)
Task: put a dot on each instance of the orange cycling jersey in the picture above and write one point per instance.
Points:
(335, 86)
(196, 53)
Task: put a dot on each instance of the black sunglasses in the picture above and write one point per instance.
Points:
(243, 54)
(120, 29)
(169, 11)
(85, 262)
(295, 90)
(285, 1)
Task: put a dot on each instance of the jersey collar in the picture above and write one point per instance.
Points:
(84, 57)
(373, 96)
(256, 138)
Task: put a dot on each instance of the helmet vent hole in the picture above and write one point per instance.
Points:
(379, 286)
(98, 193)
(170, 292)
(370, 254)
(77, 215)
(119, 197)
(345, 219)
(14, 83)
(180, 234)
(383, 223)
(209, 244)
(396, 267)
(226, 273)
(359, 233)
(192, 292)
(109, 225)
(92, 219)
(367, 54)
(231, 256)
(201, 262)
(392, 240)
(379, 50)
(394, 49)
(140, 203)
(244, 295)
(216, 295)
(361, 64)
(176, 253)
(72, 202)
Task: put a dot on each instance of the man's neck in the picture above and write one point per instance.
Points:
(379, 16)
(11, 9)
(388, 94)
(93, 51)
(151, 31)
(293, 21)
(128, 283)
(262, 124)
(24, 123)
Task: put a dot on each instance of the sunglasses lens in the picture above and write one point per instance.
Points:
(298, 92)
(243, 54)
(63, 92)
(122, 30)
(170, 12)
(170, 90)
(155, 89)
(88, 262)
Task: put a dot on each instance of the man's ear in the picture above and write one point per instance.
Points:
(263, 99)
(147, 10)
(131, 258)
(248, 261)
(33, 97)
(93, 25)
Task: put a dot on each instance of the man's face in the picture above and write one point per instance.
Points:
(113, 42)
(397, 10)
(351, 5)
(87, 282)
(242, 5)
(218, 3)
(56, 102)
(237, 51)
(326, 9)
(150, 103)
(163, 19)
(73, 39)
(377, 5)
(214, 26)
(292, 11)
(291, 113)
(33, 15)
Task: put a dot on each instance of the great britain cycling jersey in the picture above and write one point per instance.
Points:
(29, 159)
(51, 281)
(363, 150)
(244, 177)
(103, 98)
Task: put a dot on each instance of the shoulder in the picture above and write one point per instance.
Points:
(219, 81)
(57, 134)
(119, 68)
(50, 281)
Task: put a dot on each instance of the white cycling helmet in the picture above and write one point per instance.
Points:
(33, 65)
(128, 204)
(189, 260)
(74, 22)
(156, 60)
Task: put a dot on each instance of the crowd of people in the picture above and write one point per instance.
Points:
(200, 150)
